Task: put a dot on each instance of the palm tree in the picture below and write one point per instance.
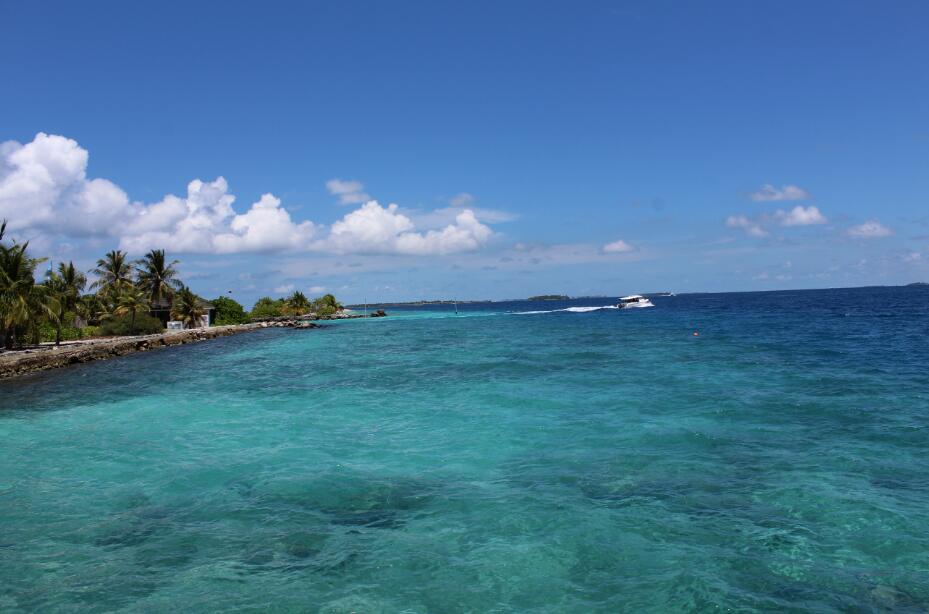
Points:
(113, 272)
(90, 307)
(298, 303)
(157, 277)
(327, 305)
(187, 308)
(66, 287)
(131, 300)
(22, 301)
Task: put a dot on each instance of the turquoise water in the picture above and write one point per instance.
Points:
(551, 462)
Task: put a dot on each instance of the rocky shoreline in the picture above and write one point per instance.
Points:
(21, 362)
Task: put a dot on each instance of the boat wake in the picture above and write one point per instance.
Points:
(566, 309)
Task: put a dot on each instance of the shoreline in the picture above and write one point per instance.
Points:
(47, 357)
(23, 362)
(34, 360)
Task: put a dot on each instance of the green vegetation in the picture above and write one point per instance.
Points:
(295, 305)
(131, 301)
(158, 277)
(298, 303)
(267, 307)
(66, 286)
(124, 296)
(187, 308)
(549, 297)
(326, 305)
(228, 312)
(24, 304)
(142, 324)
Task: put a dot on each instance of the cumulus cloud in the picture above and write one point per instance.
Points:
(800, 216)
(376, 229)
(750, 227)
(265, 226)
(44, 187)
(872, 229)
(768, 193)
(756, 227)
(349, 192)
(618, 247)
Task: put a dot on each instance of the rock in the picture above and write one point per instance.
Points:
(18, 363)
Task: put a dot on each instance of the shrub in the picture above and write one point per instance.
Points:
(68, 333)
(267, 307)
(144, 325)
(228, 312)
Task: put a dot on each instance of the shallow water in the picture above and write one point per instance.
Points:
(604, 460)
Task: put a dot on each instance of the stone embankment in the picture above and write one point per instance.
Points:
(46, 357)
(51, 357)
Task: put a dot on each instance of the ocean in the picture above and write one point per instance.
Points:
(594, 460)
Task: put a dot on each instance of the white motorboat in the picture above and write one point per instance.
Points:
(634, 300)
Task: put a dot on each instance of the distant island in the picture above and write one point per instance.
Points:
(918, 283)
(548, 297)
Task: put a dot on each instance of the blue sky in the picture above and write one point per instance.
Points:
(528, 147)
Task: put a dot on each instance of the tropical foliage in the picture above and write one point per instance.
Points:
(23, 302)
(326, 305)
(188, 308)
(157, 277)
(267, 307)
(298, 304)
(131, 301)
(227, 311)
(144, 324)
(65, 286)
(295, 304)
(124, 296)
(113, 272)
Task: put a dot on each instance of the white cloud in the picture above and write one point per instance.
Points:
(618, 247)
(800, 216)
(44, 187)
(461, 199)
(756, 227)
(769, 193)
(317, 289)
(349, 192)
(750, 227)
(284, 289)
(266, 226)
(872, 229)
(439, 218)
(466, 234)
(376, 229)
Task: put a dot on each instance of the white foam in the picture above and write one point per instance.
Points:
(566, 309)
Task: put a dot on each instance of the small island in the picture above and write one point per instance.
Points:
(549, 297)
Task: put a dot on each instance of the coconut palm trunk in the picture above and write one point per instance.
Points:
(58, 321)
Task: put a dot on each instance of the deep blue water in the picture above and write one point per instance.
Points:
(488, 462)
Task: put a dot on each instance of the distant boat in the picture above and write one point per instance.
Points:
(633, 301)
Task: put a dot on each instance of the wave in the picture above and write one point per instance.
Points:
(567, 309)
